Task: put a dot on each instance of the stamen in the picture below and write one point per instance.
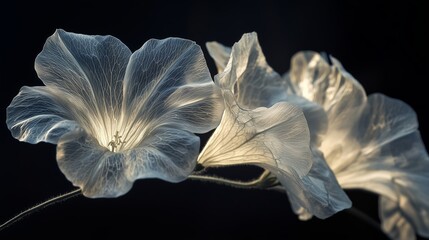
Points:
(116, 142)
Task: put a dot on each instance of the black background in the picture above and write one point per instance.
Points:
(382, 44)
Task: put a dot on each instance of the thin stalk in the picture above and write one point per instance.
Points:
(364, 217)
(39, 206)
(256, 183)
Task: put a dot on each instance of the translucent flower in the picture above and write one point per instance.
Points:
(118, 116)
(371, 143)
(259, 128)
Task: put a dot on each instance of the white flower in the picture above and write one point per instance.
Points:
(258, 128)
(118, 116)
(371, 143)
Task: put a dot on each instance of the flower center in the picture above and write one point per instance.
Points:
(115, 142)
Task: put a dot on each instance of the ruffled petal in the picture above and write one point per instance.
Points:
(219, 53)
(316, 117)
(88, 69)
(168, 154)
(249, 77)
(408, 213)
(342, 97)
(39, 114)
(387, 142)
(276, 139)
(91, 167)
(392, 161)
(322, 195)
(277, 136)
(167, 82)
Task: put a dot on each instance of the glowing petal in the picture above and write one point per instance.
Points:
(277, 136)
(168, 82)
(249, 77)
(255, 84)
(168, 154)
(39, 114)
(322, 195)
(277, 139)
(88, 68)
(409, 212)
(391, 161)
(342, 97)
(219, 53)
(117, 116)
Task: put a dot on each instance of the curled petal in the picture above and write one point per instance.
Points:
(277, 136)
(249, 77)
(316, 117)
(39, 114)
(276, 139)
(342, 97)
(169, 154)
(326, 198)
(219, 53)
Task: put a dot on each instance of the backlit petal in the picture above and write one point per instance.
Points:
(391, 161)
(39, 114)
(276, 136)
(249, 77)
(219, 53)
(168, 154)
(276, 139)
(167, 82)
(342, 97)
(88, 68)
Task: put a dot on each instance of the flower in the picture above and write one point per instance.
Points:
(370, 143)
(259, 128)
(118, 116)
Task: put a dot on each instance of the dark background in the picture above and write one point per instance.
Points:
(382, 44)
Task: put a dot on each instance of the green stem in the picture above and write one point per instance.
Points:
(44, 204)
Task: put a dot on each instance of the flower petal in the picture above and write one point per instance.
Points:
(277, 136)
(409, 212)
(322, 195)
(391, 161)
(276, 139)
(39, 114)
(219, 53)
(342, 97)
(168, 154)
(385, 120)
(89, 68)
(167, 82)
(316, 117)
(249, 77)
(387, 142)
(96, 170)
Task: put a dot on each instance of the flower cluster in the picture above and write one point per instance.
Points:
(118, 116)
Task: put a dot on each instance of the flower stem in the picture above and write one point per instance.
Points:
(39, 206)
(364, 217)
(252, 184)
